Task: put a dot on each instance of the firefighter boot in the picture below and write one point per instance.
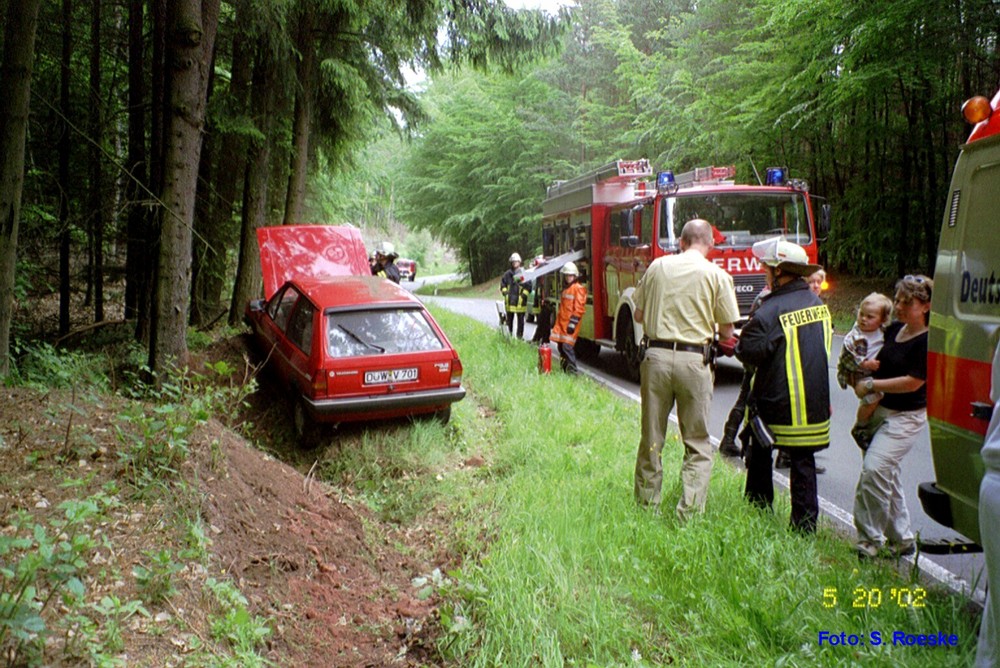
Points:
(782, 461)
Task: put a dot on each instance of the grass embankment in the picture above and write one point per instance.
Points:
(563, 569)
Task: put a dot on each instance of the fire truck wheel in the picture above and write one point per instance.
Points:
(587, 350)
(627, 344)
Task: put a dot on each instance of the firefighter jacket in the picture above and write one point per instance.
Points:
(572, 304)
(515, 291)
(387, 270)
(788, 341)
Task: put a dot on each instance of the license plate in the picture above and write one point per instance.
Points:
(390, 376)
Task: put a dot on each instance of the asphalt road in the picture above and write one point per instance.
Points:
(842, 460)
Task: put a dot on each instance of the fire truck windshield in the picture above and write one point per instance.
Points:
(741, 217)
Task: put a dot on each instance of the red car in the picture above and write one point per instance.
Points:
(407, 269)
(350, 346)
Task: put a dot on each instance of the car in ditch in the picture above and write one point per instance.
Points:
(407, 269)
(349, 346)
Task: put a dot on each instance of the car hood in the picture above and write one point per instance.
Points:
(309, 252)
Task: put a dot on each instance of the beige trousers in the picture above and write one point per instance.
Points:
(672, 378)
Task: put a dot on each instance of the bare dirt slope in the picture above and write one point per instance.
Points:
(323, 570)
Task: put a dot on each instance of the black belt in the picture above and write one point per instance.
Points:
(677, 345)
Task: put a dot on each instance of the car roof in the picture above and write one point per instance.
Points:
(351, 291)
(308, 252)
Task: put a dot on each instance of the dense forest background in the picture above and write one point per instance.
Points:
(158, 134)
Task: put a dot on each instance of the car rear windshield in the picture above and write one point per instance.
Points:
(380, 332)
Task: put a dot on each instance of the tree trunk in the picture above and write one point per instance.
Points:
(15, 82)
(157, 141)
(190, 37)
(136, 184)
(96, 174)
(302, 125)
(202, 249)
(63, 170)
(229, 158)
(255, 190)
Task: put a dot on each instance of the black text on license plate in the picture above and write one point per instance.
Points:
(390, 376)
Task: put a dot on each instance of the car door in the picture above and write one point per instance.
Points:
(299, 359)
(286, 356)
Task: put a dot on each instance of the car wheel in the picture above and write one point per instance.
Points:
(308, 433)
(443, 416)
(413, 277)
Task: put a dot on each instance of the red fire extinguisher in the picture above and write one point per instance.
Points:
(544, 358)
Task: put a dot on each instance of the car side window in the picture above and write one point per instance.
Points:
(281, 306)
(300, 327)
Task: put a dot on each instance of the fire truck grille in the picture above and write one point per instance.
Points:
(747, 288)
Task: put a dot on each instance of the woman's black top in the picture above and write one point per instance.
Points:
(908, 358)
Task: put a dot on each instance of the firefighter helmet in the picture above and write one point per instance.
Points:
(514, 258)
(569, 269)
(777, 252)
(387, 249)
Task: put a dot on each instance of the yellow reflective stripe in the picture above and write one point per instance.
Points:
(796, 380)
(802, 435)
(790, 322)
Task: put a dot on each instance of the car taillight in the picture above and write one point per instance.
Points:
(319, 385)
(456, 372)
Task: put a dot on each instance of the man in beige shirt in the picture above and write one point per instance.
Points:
(681, 301)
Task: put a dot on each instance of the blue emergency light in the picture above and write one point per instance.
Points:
(775, 176)
(665, 180)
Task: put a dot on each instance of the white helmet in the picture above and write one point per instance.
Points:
(514, 258)
(777, 252)
(569, 269)
(385, 248)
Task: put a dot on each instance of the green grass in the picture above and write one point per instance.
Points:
(562, 569)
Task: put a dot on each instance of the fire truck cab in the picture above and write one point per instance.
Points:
(965, 326)
(615, 220)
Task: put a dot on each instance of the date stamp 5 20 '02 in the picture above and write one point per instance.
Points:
(875, 597)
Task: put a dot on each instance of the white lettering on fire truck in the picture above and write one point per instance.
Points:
(739, 265)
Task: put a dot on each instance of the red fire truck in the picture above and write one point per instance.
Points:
(614, 221)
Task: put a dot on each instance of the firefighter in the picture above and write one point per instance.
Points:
(515, 291)
(385, 257)
(788, 342)
(572, 304)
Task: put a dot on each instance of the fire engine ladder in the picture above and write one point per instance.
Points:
(617, 170)
(705, 176)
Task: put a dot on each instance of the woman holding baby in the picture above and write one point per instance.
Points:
(880, 515)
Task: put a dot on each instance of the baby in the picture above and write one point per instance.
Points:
(857, 360)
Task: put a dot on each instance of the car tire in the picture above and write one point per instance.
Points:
(308, 433)
(443, 416)
(413, 277)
